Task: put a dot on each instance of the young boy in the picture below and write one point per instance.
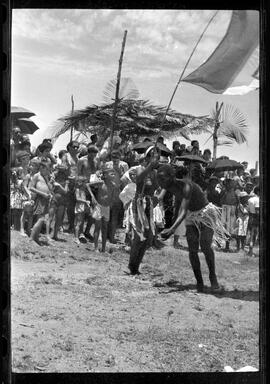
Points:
(106, 194)
(81, 207)
(42, 187)
(58, 202)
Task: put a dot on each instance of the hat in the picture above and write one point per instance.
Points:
(92, 148)
(149, 149)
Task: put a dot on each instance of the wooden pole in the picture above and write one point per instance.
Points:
(72, 111)
(182, 75)
(116, 101)
(216, 127)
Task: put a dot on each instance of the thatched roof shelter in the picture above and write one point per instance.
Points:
(134, 117)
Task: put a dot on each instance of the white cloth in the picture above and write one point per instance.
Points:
(128, 193)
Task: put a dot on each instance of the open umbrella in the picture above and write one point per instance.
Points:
(224, 165)
(141, 147)
(27, 126)
(19, 112)
(193, 158)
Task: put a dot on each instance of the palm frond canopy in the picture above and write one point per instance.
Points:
(134, 117)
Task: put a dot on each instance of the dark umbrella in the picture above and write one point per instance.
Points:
(141, 147)
(27, 126)
(194, 158)
(224, 165)
(19, 112)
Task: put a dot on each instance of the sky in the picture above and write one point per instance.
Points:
(59, 53)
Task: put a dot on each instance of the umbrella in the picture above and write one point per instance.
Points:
(224, 165)
(18, 112)
(194, 158)
(141, 147)
(27, 126)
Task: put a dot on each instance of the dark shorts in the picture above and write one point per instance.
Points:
(254, 220)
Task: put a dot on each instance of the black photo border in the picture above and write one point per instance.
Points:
(203, 378)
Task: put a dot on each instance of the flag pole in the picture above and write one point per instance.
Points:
(182, 74)
(72, 111)
(116, 101)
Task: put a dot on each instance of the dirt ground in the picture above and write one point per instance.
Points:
(76, 310)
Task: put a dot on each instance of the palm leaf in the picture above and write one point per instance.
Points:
(233, 125)
(128, 90)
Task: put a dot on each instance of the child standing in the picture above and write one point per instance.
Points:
(57, 206)
(106, 195)
(81, 207)
(242, 217)
(42, 187)
(228, 201)
(28, 205)
(18, 195)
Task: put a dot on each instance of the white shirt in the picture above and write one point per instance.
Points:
(253, 203)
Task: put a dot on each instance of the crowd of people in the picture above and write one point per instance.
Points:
(90, 191)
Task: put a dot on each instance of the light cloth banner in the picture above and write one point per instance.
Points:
(233, 68)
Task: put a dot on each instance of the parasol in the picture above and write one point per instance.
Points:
(27, 126)
(224, 165)
(19, 112)
(193, 158)
(141, 147)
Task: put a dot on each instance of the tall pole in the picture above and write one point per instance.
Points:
(182, 75)
(72, 111)
(216, 127)
(116, 100)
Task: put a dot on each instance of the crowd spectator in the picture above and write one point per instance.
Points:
(80, 189)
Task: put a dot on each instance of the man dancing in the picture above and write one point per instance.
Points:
(202, 222)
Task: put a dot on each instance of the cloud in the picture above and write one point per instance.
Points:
(88, 42)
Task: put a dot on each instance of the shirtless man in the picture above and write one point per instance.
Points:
(87, 165)
(71, 162)
(41, 186)
(201, 222)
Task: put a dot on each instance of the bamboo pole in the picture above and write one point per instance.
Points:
(72, 111)
(116, 101)
(182, 75)
(216, 127)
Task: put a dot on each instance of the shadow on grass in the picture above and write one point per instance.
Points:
(232, 294)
